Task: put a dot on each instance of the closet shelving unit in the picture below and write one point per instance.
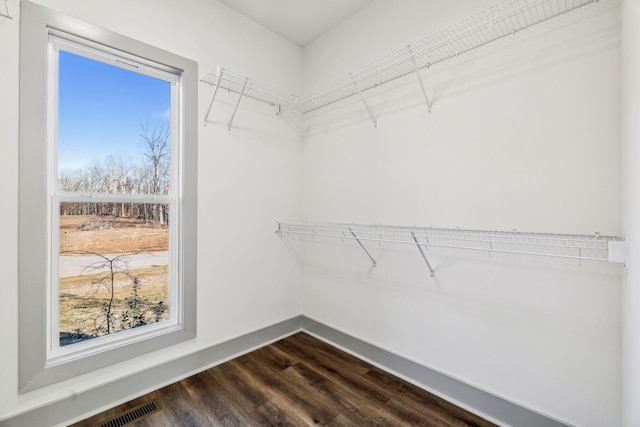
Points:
(245, 86)
(594, 247)
(496, 22)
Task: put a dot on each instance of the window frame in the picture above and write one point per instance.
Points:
(38, 199)
(59, 42)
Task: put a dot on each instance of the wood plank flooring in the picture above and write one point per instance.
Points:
(297, 381)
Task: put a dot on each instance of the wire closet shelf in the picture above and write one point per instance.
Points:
(594, 247)
(500, 20)
(245, 86)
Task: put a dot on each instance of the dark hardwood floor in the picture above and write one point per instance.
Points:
(297, 381)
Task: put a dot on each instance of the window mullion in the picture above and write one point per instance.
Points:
(112, 198)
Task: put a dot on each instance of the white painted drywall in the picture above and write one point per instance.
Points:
(525, 135)
(247, 179)
(631, 211)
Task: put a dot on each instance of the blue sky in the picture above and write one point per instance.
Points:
(101, 107)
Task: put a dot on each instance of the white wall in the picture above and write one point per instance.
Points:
(247, 180)
(525, 135)
(631, 211)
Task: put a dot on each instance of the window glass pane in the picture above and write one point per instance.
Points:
(113, 268)
(113, 128)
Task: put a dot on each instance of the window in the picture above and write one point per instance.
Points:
(107, 198)
(113, 206)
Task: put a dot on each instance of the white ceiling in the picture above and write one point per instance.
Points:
(299, 21)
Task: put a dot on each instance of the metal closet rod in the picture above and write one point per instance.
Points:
(596, 246)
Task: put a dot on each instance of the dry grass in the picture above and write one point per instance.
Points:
(111, 235)
(83, 297)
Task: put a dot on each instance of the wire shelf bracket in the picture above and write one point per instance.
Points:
(213, 97)
(364, 101)
(581, 248)
(416, 70)
(415, 239)
(6, 14)
(235, 110)
(363, 247)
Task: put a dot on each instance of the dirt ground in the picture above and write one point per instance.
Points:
(111, 235)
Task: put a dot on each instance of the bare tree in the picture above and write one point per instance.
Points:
(157, 144)
(109, 271)
(112, 266)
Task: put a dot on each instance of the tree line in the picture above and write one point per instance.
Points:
(149, 175)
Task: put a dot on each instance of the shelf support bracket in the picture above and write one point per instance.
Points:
(364, 101)
(213, 97)
(244, 86)
(7, 14)
(417, 73)
(415, 239)
(363, 248)
(579, 256)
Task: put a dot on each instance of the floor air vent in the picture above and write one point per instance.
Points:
(132, 415)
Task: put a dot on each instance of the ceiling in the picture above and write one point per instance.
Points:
(299, 21)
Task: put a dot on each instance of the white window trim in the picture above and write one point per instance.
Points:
(39, 366)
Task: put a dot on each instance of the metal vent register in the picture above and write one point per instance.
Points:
(132, 415)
